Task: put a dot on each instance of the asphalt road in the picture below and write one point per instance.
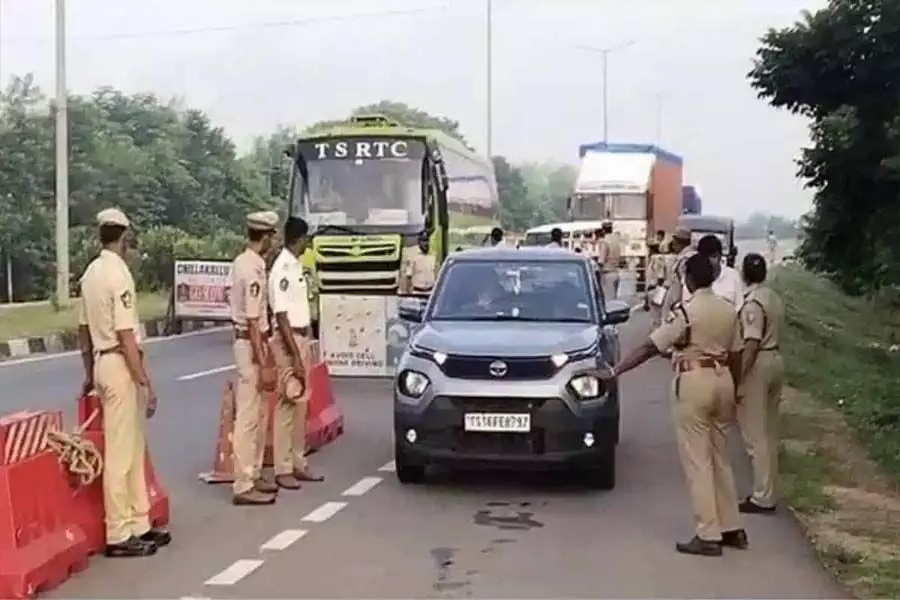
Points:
(360, 534)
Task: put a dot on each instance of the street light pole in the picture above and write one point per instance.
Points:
(489, 72)
(604, 77)
(62, 161)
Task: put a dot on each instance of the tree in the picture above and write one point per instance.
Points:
(840, 67)
(516, 209)
(169, 168)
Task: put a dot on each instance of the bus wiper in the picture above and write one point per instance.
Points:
(329, 227)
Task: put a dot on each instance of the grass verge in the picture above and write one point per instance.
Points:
(36, 320)
(841, 430)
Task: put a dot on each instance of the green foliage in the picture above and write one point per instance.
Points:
(840, 67)
(165, 166)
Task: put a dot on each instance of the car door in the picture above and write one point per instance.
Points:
(609, 333)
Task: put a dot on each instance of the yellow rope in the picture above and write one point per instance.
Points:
(79, 455)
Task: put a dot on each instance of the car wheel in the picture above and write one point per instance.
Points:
(602, 476)
(406, 472)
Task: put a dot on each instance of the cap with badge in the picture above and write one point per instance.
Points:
(682, 233)
(112, 216)
(265, 220)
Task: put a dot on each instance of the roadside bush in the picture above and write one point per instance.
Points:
(157, 249)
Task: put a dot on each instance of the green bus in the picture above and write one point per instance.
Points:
(369, 187)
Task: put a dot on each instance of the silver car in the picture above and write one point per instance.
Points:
(500, 370)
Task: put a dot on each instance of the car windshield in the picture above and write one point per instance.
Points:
(553, 291)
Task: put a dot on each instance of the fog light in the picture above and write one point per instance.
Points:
(411, 436)
(588, 439)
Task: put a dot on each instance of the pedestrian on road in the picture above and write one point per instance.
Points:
(728, 284)
(704, 335)
(612, 261)
(496, 237)
(420, 268)
(254, 361)
(114, 367)
(762, 368)
(290, 345)
(680, 245)
(772, 247)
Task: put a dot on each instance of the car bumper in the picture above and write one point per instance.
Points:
(556, 440)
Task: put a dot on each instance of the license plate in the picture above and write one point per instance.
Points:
(503, 422)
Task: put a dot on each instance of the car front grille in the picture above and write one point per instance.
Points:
(517, 369)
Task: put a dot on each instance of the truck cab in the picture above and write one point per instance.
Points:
(721, 227)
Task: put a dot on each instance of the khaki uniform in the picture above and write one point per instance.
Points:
(420, 271)
(702, 333)
(611, 265)
(762, 319)
(676, 291)
(656, 277)
(288, 294)
(248, 301)
(109, 304)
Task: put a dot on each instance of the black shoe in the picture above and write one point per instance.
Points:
(736, 538)
(699, 547)
(748, 506)
(130, 548)
(160, 537)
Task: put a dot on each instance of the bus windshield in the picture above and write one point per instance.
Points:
(361, 181)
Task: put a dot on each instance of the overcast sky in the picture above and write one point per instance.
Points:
(253, 64)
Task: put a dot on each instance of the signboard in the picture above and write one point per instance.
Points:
(362, 336)
(202, 289)
(363, 148)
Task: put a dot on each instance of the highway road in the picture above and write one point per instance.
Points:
(360, 534)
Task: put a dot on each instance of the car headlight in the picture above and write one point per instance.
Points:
(439, 358)
(559, 360)
(586, 387)
(413, 383)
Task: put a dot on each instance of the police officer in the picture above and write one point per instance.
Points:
(114, 367)
(254, 361)
(762, 320)
(705, 337)
(656, 279)
(289, 301)
(613, 260)
(420, 268)
(680, 246)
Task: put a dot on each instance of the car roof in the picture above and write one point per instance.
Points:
(524, 254)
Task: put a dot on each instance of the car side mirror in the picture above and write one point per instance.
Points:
(617, 312)
(411, 310)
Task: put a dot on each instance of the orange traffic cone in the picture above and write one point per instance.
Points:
(223, 468)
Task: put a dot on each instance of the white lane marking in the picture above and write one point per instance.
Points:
(237, 571)
(362, 486)
(324, 512)
(200, 374)
(388, 467)
(153, 340)
(284, 539)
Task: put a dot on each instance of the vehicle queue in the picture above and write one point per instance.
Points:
(532, 323)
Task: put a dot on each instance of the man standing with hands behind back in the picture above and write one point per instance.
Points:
(254, 361)
(290, 345)
(110, 339)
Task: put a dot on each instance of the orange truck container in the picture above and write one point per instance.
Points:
(637, 187)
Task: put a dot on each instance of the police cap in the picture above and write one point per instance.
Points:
(682, 233)
(112, 216)
(266, 220)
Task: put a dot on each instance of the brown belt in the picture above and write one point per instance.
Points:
(304, 331)
(115, 350)
(244, 334)
(690, 364)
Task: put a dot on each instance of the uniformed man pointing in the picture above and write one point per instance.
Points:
(290, 302)
(706, 339)
(110, 340)
(254, 361)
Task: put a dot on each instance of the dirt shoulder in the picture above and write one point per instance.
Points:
(841, 430)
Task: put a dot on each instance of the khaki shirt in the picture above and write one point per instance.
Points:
(108, 301)
(675, 281)
(287, 289)
(705, 326)
(249, 297)
(420, 270)
(614, 254)
(762, 317)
